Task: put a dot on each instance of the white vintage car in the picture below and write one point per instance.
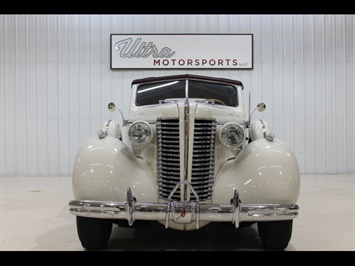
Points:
(187, 155)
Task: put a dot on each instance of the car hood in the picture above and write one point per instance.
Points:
(197, 109)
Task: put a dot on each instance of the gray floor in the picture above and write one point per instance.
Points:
(34, 216)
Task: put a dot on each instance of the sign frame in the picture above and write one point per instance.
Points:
(181, 51)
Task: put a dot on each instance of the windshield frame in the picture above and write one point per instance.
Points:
(155, 92)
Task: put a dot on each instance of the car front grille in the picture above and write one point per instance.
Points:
(169, 159)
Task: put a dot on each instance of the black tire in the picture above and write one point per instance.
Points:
(275, 235)
(93, 233)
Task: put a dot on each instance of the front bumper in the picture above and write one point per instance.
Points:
(183, 212)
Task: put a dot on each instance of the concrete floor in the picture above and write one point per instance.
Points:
(34, 216)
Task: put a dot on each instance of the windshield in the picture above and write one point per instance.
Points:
(153, 93)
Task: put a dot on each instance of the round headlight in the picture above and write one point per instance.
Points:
(140, 133)
(232, 135)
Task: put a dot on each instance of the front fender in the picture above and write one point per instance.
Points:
(263, 173)
(105, 168)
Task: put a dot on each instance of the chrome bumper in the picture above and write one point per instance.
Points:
(183, 212)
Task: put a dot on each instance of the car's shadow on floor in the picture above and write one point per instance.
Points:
(161, 239)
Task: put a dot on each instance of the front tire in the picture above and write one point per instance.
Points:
(93, 233)
(275, 235)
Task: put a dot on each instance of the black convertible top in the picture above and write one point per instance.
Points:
(186, 76)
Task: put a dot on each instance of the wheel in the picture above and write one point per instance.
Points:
(93, 233)
(275, 235)
(216, 100)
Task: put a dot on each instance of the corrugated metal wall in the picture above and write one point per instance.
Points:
(56, 81)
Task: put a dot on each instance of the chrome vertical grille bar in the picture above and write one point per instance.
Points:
(186, 137)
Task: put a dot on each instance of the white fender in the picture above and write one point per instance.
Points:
(105, 168)
(264, 172)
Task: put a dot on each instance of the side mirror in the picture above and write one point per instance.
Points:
(111, 107)
(261, 107)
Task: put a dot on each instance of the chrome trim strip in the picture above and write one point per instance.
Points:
(134, 120)
(186, 137)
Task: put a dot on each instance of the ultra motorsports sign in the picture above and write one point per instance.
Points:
(181, 51)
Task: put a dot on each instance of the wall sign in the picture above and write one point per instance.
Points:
(181, 51)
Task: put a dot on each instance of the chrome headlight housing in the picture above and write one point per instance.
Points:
(231, 135)
(140, 133)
